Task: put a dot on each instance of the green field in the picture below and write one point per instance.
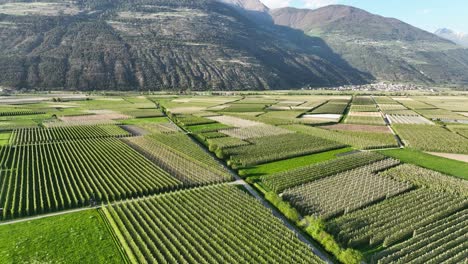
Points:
(207, 127)
(284, 165)
(80, 237)
(4, 138)
(158, 168)
(144, 121)
(447, 166)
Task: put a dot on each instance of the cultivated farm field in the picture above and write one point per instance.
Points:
(264, 177)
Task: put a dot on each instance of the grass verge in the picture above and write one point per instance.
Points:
(80, 237)
(288, 164)
(454, 168)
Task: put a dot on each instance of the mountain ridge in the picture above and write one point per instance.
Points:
(387, 48)
(158, 45)
(213, 45)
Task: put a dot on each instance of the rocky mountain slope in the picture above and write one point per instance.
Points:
(384, 47)
(157, 44)
(212, 44)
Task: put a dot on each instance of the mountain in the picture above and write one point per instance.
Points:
(386, 48)
(457, 37)
(252, 9)
(158, 44)
(250, 5)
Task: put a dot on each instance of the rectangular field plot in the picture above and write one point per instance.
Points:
(192, 120)
(363, 108)
(392, 107)
(63, 238)
(441, 114)
(284, 180)
(395, 219)
(384, 100)
(359, 139)
(272, 148)
(93, 118)
(181, 143)
(16, 112)
(406, 119)
(363, 100)
(187, 169)
(289, 164)
(226, 142)
(234, 121)
(206, 128)
(432, 138)
(427, 178)
(365, 120)
(245, 108)
(144, 113)
(446, 166)
(452, 103)
(413, 104)
(444, 241)
(17, 124)
(42, 135)
(346, 192)
(41, 178)
(332, 107)
(219, 224)
(257, 131)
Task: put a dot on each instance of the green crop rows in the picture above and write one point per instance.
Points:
(365, 120)
(345, 192)
(432, 138)
(17, 113)
(183, 144)
(186, 168)
(428, 178)
(332, 107)
(162, 197)
(272, 148)
(191, 120)
(395, 219)
(40, 135)
(362, 140)
(443, 241)
(281, 181)
(219, 224)
(40, 178)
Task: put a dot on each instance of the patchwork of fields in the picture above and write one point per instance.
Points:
(234, 179)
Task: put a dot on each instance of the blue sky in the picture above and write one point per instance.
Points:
(426, 14)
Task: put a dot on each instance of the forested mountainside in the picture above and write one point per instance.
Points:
(157, 44)
(387, 48)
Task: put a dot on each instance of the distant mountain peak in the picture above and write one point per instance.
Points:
(250, 5)
(458, 37)
(444, 31)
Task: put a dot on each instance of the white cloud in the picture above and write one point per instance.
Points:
(300, 3)
(425, 11)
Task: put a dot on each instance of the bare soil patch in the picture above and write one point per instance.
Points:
(459, 157)
(91, 118)
(364, 128)
(364, 114)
